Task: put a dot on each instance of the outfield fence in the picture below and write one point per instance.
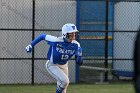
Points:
(107, 30)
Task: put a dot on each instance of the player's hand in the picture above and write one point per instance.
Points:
(80, 63)
(29, 48)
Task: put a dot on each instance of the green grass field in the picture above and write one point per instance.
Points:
(73, 88)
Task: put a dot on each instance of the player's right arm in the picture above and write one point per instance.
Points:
(41, 37)
(35, 41)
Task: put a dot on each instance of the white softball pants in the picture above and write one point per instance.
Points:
(60, 73)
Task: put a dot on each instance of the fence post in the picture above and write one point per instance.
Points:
(33, 36)
(106, 43)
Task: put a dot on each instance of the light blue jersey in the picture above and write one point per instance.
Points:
(60, 51)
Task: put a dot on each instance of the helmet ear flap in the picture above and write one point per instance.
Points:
(64, 35)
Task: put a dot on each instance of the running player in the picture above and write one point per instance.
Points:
(60, 52)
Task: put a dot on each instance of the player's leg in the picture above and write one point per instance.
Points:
(59, 75)
(64, 68)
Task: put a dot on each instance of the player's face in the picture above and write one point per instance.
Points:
(71, 36)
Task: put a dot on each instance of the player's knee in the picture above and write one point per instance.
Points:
(66, 83)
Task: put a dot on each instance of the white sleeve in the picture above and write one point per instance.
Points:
(53, 38)
(76, 42)
(79, 49)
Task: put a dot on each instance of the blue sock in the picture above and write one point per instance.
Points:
(59, 89)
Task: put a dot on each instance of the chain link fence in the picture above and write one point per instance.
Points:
(111, 53)
(107, 32)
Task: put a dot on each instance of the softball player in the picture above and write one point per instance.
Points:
(60, 51)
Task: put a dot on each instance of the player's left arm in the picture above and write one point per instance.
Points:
(78, 55)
